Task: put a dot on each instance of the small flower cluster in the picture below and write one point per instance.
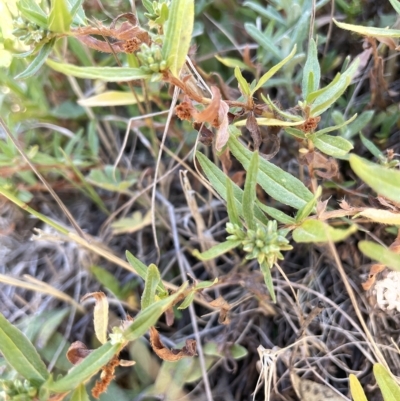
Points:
(17, 390)
(151, 58)
(263, 243)
(28, 32)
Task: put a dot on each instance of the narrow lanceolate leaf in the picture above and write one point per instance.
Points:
(266, 271)
(100, 315)
(218, 180)
(233, 213)
(384, 181)
(39, 60)
(269, 74)
(396, 5)
(276, 214)
(312, 65)
(380, 216)
(149, 316)
(109, 74)
(317, 231)
(110, 98)
(19, 352)
(271, 122)
(279, 184)
(306, 210)
(141, 269)
(244, 86)
(216, 250)
(335, 146)
(178, 34)
(334, 127)
(152, 280)
(388, 386)
(249, 194)
(357, 391)
(327, 98)
(368, 30)
(381, 254)
(80, 394)
(85, 369)
(60, 17)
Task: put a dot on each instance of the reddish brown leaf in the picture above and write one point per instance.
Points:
(77, 352)
(171, 355)
(169, 316)
(210, 113)
(206, 135)
(106, 377)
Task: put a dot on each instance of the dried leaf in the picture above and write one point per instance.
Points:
(100, 314)
(308, 390)
(106, 377)
(124, 363)
(77, 352)
(381, 216)
(252, 126)
(211, 112)
(171, 355)
(374, 270)
(224, 308)
(222, 135)
(206, 135)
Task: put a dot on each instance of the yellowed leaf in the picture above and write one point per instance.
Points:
(271, 122)
(380, 216)
(110, 98)
(131, 224)
(100, 314)
(308, 390)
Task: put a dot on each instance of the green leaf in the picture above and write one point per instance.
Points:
(388, 386)
(244, 86)
(107, 279)
(384, 181)
(276, 214)
(60, 17)
(269, 74)
(263, 40)
(267, 12)
(362, 121)
(188, 300)
(276, 182)
(84, 370)
(333, 128)
(266, 271)
(216, 250)
(141, 269)
(396, 5)
(335, 146)
(371, 147)
(39, 60)
(317, 231)
(306, 210)
(109, 74)
(233, 63)
(233, 213)
(153, 279)
(313, 95)
(357, 391)
(381, 254)
(249, 194)
(178, 34)
(324, 101)
(238, 351)
(368, 30)
(311, 66)
(32, 12)
(218, 180)
(80, 394)
(19, 352)
(149, 316)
